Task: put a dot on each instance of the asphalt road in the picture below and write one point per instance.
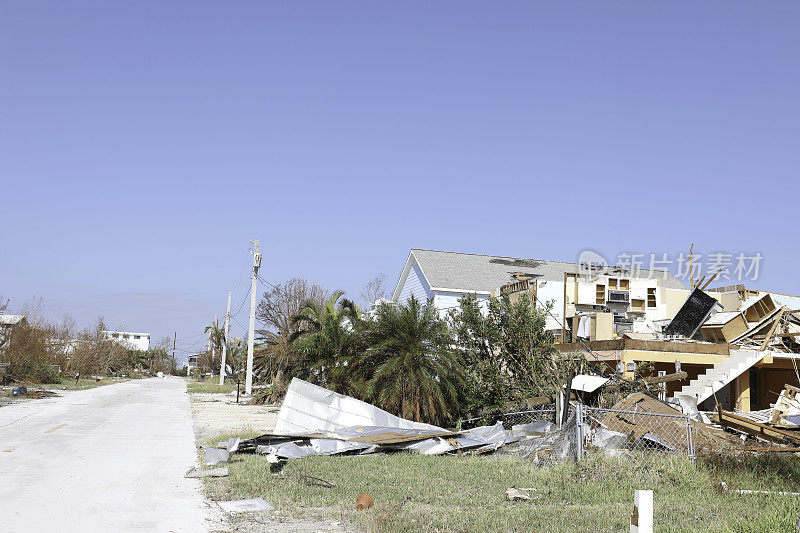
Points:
(106, 459)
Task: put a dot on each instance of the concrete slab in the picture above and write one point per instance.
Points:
(106, 459)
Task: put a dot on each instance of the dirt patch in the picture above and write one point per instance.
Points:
(218, 413)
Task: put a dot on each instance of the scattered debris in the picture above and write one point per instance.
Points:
(363, 501)
(212, 456)
(212, 472)
(515, 494)
(19, 391)
(233, 507)
(746, 425)
(317, 421)
(786, 412)
(723, 487)
(695, 311)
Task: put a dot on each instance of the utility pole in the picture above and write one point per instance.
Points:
(248, 383)
(225, 343)
(174, 340)
(213, 343)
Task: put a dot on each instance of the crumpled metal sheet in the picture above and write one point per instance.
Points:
(315, 421)
(538, 427)
(587, 383)
(309, 408)
(243, 506)
(212, 456)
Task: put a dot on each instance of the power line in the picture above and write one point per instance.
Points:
(242, 304)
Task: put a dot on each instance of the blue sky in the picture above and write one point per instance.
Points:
(143, 144)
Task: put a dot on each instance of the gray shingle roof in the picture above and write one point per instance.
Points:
(455, 270)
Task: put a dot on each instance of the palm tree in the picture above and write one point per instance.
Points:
(410, 367)
(216, 335)
(327, 338)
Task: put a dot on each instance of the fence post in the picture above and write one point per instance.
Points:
(689, 440)
(579, 430)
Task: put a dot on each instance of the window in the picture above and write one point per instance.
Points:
(651, 297)
(137, 337)
(125, 336)
(115, 335)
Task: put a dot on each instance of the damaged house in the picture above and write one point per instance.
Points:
(737, 346)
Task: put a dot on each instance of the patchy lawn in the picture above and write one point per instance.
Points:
(67, 384)
(450, 493)
(82, 384)
(210, 386)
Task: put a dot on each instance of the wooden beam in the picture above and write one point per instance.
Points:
(677, 376)
(648, 345)
(709, 281)
(740, 423)
(772, 329)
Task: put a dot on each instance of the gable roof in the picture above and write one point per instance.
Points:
(484, 273)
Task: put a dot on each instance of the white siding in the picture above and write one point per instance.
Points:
(548, 291)
(445, 301)
(415, 284)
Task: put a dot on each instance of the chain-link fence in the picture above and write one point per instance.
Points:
(632, 433)
(544, 413)
(591, 430)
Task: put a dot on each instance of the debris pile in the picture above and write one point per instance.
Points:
(316, 421)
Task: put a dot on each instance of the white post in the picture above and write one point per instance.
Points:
(225, 343)
(642, 515)
(248, 383)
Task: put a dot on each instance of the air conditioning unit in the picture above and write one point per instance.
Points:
(618, 296)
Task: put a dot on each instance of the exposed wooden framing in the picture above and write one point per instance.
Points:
(772, 329)
(648, 345)
(750, 332)
(728, 419)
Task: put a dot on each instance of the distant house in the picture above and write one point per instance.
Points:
(8, 323)
(131, 340)
(191, 363)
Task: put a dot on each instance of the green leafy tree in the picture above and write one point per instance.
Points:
(410, 367)
(509, 353)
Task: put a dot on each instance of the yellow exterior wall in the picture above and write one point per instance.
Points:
(742, 391)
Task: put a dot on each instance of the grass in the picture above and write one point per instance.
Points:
(82, 384)
(450, 493)
(210, 386)
(67, 384)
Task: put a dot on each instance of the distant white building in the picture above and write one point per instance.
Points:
(131, 340)
(191, 364)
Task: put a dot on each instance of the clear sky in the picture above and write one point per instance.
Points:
(142, 144)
